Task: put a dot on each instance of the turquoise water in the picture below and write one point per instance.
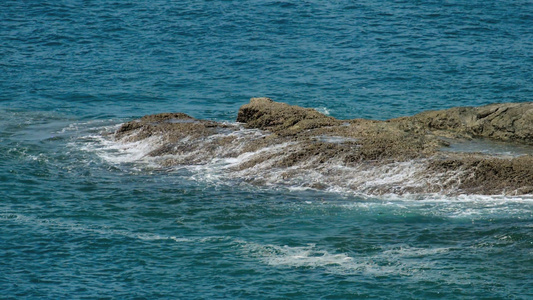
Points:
(82, 218)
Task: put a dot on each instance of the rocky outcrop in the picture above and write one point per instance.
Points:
(506, 122)
(276, 143)
(281, 118)
(481, 174)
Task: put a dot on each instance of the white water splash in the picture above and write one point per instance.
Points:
(212, 159)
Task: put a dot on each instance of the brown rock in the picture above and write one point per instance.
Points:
(292, 141)
(505, 122)
(281, 118)
(487, 174)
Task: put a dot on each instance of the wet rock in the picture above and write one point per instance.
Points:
(171, 126)
(281, 118)
(505, 122)
(481, 174)
(289, 145)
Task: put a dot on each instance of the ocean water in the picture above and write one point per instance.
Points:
(82, 216)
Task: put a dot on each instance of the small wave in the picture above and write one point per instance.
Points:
(323, 110)
(119, 153)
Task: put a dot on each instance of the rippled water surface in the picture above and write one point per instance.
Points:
(81, 217)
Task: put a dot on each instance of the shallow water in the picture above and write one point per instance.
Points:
(83, 217)
(486, 146)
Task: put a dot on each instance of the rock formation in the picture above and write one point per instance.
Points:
(279, 144)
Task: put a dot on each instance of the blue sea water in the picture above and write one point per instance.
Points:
(80, 219)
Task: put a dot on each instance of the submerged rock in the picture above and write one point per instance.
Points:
(280, 144)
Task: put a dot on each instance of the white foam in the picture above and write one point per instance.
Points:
(323, 110)
(389, 260)
(398, 260)
(118, 152)
(306, 256)
(100, 125)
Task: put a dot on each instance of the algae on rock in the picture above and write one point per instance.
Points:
(280, 143)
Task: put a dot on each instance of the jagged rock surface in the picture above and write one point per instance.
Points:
(506, 122)
(291, 141)
(281, 118)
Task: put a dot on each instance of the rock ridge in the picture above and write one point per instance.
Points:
(277, 143)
